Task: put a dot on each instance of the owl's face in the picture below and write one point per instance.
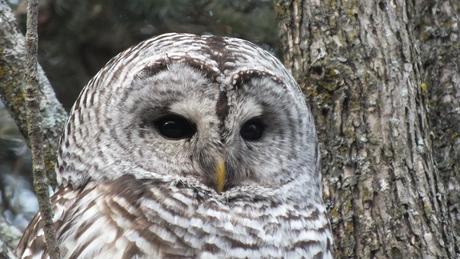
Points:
(181, 117)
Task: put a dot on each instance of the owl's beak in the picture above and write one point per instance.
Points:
(220, 175)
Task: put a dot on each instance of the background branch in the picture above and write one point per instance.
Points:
(12, 60)
(9, 238)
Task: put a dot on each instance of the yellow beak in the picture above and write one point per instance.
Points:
(220, 175)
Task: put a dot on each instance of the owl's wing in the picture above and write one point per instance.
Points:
(32, 243)
(105, 221)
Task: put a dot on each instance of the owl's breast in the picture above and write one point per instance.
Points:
(132, 218)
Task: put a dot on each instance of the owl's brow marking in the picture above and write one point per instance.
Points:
(245, 76)
(163, 64)
(153, 69)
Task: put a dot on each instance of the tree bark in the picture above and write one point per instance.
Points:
(359, 64)
(437, 28)
(12, 65)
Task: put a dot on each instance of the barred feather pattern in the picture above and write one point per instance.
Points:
(127, 192)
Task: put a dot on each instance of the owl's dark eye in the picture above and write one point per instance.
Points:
(175, 127)
(252, 130)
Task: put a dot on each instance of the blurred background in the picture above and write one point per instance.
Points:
(77, 37)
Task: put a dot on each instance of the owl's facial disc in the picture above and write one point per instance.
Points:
(178, 122)
(216, 113)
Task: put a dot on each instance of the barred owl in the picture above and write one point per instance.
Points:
(188, 146)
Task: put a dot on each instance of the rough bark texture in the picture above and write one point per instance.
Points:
(359, 63)
(437, 27)
(35, 130)
(12, 65)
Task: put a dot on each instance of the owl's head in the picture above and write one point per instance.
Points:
(212, 112)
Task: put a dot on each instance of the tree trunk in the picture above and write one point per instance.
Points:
(437, 27)
(359, 63)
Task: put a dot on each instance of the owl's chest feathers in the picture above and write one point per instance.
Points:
(158, 219)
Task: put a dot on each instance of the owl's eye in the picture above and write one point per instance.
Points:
(252, 130)
(175, 127)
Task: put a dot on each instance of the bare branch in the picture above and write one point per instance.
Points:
(35, 128)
